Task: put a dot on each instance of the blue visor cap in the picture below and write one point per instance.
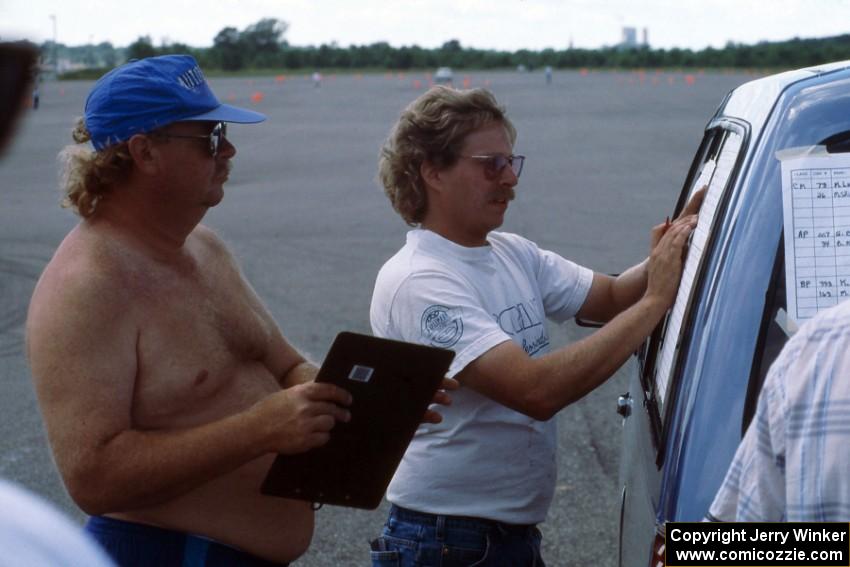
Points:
(141, 96)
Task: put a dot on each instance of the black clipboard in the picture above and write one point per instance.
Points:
(392, 383)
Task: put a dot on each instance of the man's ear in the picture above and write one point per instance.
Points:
(142, 151)
(431, 175)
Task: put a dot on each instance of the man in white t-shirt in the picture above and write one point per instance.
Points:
(472, 489)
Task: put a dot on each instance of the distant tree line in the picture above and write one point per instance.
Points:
(262, 45)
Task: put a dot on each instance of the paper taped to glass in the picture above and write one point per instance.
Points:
(816, 213)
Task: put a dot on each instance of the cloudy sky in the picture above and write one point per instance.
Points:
(488, 24)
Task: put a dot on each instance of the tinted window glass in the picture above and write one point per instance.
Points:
(714, 166)
(818, 115)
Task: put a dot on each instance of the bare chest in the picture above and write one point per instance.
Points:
(201, 351)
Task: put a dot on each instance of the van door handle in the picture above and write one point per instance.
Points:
(624, 405)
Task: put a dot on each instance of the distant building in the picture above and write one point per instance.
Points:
(629, 38)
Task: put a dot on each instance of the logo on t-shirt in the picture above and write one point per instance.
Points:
(516, 319)
(442, 326)
(525, 327)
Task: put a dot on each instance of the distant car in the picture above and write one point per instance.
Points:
(444, 76)
(694, 385)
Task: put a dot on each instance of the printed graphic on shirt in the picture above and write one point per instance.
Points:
(442, 326)
(521, 320)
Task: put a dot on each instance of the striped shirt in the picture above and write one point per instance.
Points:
(793, 463)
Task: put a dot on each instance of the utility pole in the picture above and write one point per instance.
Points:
(55, 51)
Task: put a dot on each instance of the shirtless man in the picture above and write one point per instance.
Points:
(165, 385)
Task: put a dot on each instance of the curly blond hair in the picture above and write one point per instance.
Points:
(432, 128)
(89, 176)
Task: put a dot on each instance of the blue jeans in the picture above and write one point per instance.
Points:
(416, 539)
(139, 545)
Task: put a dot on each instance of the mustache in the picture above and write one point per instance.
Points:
(508, 195)
(225, 167)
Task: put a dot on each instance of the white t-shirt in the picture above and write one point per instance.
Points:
(484, 459)
(32, 533)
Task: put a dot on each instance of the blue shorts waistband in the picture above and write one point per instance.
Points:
(109, 524)
(123, 539)
(461, 522)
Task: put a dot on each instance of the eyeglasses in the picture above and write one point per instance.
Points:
(495, 164)
(215, 137)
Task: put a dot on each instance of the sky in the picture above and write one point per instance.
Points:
(486, 24)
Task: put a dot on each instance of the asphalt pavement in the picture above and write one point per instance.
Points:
(607, 153)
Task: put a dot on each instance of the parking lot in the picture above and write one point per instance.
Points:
(607, 153)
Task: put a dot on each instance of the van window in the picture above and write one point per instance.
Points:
(776, 327)
(775, 331)
(714, 166)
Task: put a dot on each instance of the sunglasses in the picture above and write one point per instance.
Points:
(219, 133)
(494, 165)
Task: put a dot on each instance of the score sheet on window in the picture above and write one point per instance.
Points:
(816, 211)
(715, 173)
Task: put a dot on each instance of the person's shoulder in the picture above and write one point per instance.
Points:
(211, 249)
(392, 276)
(832, 321)
(515, 245)
(821, 337)
(208, 237)
(405, 259)
(414, 266)
(836, 316)
(394, 273)
(90, 273)
(87, 261)
(510, 240)
(208, 241)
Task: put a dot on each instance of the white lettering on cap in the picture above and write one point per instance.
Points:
(192, 78)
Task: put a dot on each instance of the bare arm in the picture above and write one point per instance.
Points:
(285, 363)
(541, 387)
(611, 295)
(301, 373)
